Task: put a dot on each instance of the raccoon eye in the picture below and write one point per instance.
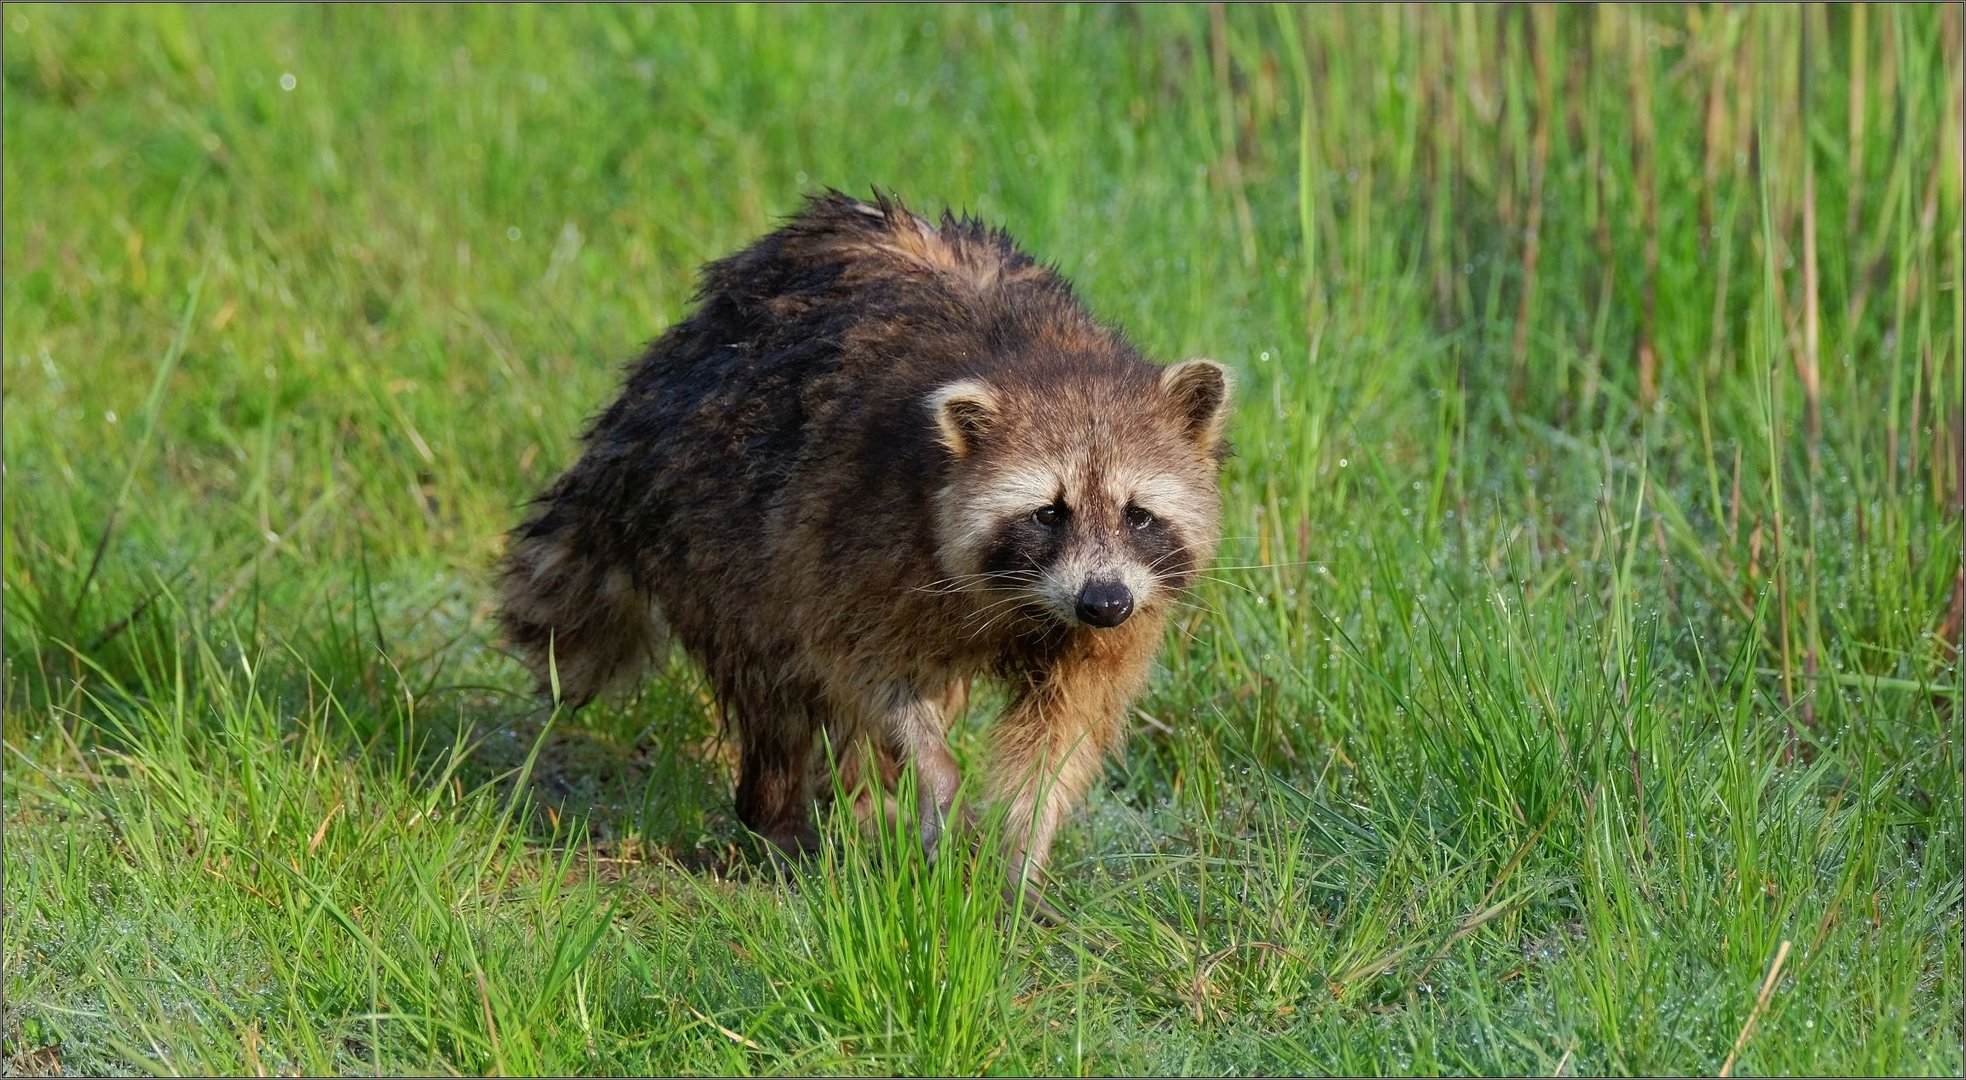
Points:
(1137, 519)
(1049, 516)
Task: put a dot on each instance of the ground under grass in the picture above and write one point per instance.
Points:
(1579, 691)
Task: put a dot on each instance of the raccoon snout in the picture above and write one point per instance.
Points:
(1104, 603)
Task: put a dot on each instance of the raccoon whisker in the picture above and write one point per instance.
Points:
(1266, 566)
(1000, 616)
(1179, 622)
(1007, 593)
(994, 610)
(940, 588)
(1186, 633)
(1014, 572)
(993, 606)
(1003, 597)
(1225, 581)
(984, 627)
(1010, 578)
(1154, 567)
(1194, 605)
(986, 586)
(1224, 540)
(959, 582)
(981, 630)
(1161, 576)
(1210, 575)
(1183, 597)
(1181, 549)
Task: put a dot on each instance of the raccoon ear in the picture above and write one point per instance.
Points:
(965, 411)
(1199, 390)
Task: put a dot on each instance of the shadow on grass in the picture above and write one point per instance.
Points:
(648, 776)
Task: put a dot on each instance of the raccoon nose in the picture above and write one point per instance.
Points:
(1104, 603)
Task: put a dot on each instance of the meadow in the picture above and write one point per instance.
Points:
(1579, 691)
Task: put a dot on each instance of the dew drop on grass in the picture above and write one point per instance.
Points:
(287, 80)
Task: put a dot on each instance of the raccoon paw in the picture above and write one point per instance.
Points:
(1036, 907)
(791, 846)
(962, 820)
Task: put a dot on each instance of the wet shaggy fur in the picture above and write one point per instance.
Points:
(881, 458)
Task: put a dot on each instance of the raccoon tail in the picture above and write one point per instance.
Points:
(575, 617)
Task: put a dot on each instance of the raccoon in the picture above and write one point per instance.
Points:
(882, 457)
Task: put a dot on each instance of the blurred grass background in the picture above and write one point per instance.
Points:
(1581, 693)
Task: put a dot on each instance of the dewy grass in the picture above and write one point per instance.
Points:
(1585, 642)
(908, 961)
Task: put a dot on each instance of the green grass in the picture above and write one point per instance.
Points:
(1585, 641)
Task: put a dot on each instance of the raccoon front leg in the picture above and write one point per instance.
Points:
(864, 768)
(1050, 743)
(917, 726)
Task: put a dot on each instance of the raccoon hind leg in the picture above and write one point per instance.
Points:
(776, 728)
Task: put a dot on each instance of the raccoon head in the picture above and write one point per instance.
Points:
(1083, 500)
